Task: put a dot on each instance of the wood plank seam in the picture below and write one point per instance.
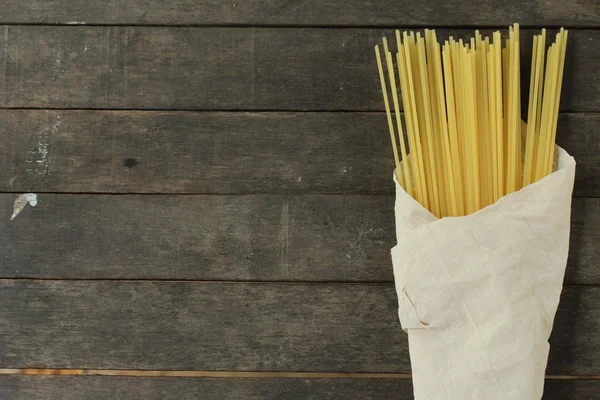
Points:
(386, 283)
(303, 26)
(234, 374)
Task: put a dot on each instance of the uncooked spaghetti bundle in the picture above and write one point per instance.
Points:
(482, 210)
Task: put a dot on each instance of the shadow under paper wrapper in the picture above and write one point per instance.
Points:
(561, 353)
(563, 341)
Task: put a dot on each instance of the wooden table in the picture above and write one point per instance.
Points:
(215, 206)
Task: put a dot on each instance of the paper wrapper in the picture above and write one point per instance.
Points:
(478, 294)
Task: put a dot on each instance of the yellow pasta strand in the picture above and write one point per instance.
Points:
(389, 117)
(485, 142)
(439, 157)
(544, 140)
(409, 47)
(500, 93)
(514, 117)
(427, 134)
(451, 191)
(491, 68)
(472, 155)
(405, 172)
(408, 117)
(562, 45)
(453, 131)
(531, 116)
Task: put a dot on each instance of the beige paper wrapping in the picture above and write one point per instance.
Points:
(478, 294)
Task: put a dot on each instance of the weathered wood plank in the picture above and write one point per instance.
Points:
(271, 238)
(177, 152)
(109, 388)
(285, 12)
(125, 388)
(223, 152)
(252, 238)
(226, 68)
(577, 134)
(239, 326)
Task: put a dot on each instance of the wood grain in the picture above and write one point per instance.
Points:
(109, 388)
(251, 238)
(223, 152)
(300, 12)
(239, 326)
(184, 152)
(199, 237)
(227, 68)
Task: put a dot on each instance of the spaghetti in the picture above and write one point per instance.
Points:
(462, 114)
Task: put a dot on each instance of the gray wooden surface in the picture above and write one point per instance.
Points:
(221, 68)
(315, 238)
(215, 195)
(301, 12)
(239, 326)
(124, 388)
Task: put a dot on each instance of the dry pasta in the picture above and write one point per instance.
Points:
(462, 116)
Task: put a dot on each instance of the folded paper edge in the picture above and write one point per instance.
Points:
(565, 163)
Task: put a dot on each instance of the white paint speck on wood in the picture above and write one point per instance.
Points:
(21, 201)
